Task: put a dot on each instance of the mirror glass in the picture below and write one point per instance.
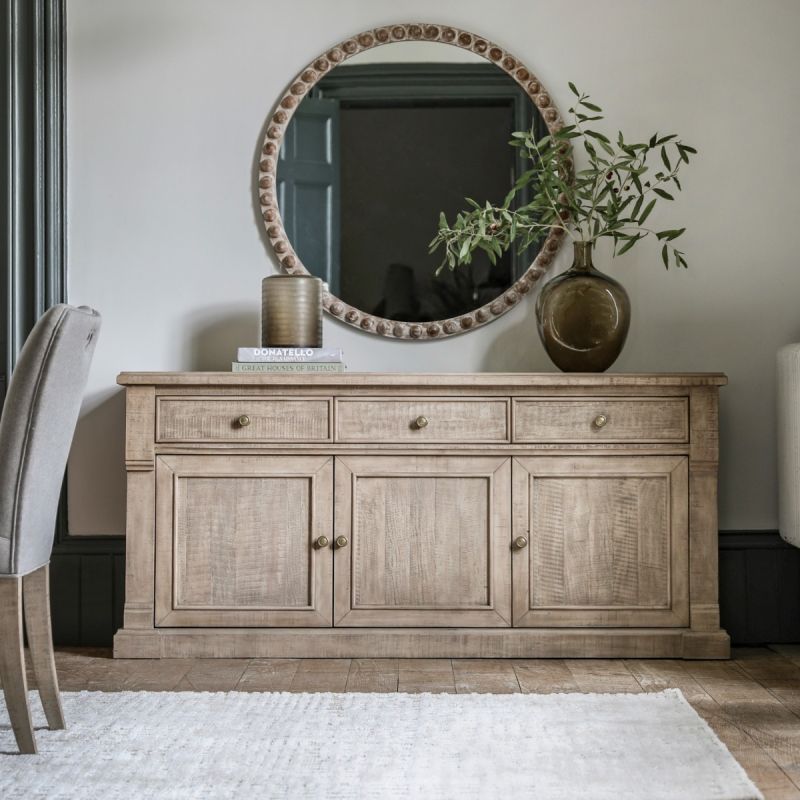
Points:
(376, 150)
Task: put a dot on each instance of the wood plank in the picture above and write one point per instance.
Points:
(603, 676)
(216, 674)
(657, 675)
(404, 643)
(416, 380)
(544, 676)
(770, 669)
(372, 675)
(486, 675)
(268, 675)
(725, 681)
(321, 675)
(426, 675)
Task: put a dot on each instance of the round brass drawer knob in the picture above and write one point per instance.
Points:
(341, 541)
(323, 541)
(520, 542)
(421, 422)
(600, 421)
(243, 421)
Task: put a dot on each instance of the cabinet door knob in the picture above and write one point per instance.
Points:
(600, 421)
(520, 542)
(341, 541)
(243, 421)
(323, 541)
(421, 422)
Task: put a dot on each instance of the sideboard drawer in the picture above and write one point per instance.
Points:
(643, 419)
(424, 420)
(231, 419)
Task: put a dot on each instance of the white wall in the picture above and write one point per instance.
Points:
(166, 100)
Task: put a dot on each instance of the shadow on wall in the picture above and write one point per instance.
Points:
(213, 334)
(96, 470)
(518, 348)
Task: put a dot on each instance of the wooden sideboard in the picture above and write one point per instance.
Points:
(442, 515)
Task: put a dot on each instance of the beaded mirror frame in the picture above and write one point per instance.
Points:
(276, 128)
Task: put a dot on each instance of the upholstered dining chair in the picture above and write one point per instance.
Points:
(36, 430)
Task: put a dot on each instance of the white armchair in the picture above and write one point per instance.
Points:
(789, 443)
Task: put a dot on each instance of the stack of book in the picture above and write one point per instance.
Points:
(288, 359)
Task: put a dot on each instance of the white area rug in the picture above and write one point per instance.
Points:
(251, 745)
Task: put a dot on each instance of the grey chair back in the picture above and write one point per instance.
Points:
(36, 430)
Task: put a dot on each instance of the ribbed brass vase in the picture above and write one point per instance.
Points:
(291, 311)
(583, 316)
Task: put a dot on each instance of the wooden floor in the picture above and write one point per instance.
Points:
(751, 701)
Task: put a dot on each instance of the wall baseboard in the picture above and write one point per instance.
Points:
(87, 590)
(759, 588)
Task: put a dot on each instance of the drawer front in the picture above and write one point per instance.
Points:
(643, 419)
(231, 419)
(426, 420)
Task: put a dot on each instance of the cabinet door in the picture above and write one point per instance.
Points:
(428, 541)
(235, 540)
(607, 541)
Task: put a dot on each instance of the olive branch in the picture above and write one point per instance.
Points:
(612, 197)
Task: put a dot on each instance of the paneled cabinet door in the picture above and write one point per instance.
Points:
(607, 541)
(237, 540)
(422, 541)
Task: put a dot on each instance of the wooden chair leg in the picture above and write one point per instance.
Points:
(36, 597)
(12, 663)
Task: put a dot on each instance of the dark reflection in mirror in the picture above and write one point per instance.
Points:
(373, 155)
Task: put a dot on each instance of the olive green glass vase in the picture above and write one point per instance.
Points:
(583, 316)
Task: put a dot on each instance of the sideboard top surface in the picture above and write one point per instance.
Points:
(425, 379)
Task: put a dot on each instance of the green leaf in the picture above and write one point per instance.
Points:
(590, 106)
(665, 159)
(670, 235)
(574, 90)
(647, 210)
(662, 193)
(596, 135)
(665, 256)
(630, 243)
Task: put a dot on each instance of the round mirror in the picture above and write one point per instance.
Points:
(371, 145)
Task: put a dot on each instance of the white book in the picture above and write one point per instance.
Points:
(280, 355)
(286, 366)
